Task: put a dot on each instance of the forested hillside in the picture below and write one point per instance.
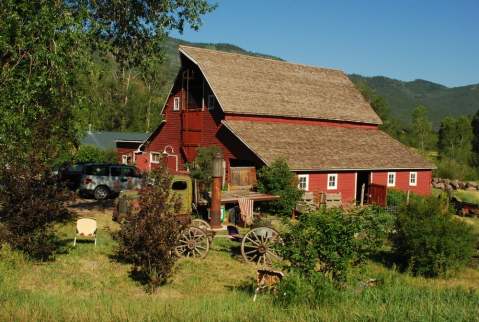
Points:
(402, 97)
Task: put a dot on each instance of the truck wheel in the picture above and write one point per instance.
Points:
(101, 193)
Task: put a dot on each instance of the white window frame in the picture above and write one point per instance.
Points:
(124, 158)
(176, 103)
(306, 177)
(413, 184)
(393, 184)
(211, 102)
(151, 157)
(335, 186)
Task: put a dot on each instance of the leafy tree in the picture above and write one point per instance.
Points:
(202, 167)
(90, 153)
(277, 179)
(455, 139)
(423, 136)
(148, 238)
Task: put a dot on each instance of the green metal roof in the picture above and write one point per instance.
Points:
(107, 140)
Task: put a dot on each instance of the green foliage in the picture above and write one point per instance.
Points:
(452, 169)
(147, 238)
(43, 49)
(90, 153)
(202, 167)
(277, 179)
(455, 139)
(429, 241)
(402, 97)
(423, 136)
(31, 202)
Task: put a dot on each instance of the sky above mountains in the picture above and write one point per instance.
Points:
(409, 39)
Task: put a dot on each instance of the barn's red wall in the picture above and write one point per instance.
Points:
(292, 120)
(123, 151)
(423, 187)
(346, 184)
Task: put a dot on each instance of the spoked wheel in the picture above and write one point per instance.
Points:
(258, 246)
(193, 242)
(200, 223)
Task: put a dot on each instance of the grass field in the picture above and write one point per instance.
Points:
(86, 284)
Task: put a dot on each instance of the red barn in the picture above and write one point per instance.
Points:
(258, 110)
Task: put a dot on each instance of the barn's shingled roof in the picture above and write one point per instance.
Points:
(311, 147)
(252, 85)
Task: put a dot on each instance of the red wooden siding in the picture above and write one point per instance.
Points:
(346, 184)
(423, 186)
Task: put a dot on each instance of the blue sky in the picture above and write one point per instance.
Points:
(410, 39)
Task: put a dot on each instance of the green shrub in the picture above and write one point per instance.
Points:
(277, 179)
(429, 240)
(330, 241)
(451, 169)
(147, 238)
(202, 167)
(322, 241)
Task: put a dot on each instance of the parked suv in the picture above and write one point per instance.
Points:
(104, 180)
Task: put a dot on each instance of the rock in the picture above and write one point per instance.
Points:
(471, 188)
(462, 185)
(446, 181)
(471, 184)
(439, 185)
(455, 184)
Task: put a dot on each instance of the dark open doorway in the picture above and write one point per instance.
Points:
(363, 178)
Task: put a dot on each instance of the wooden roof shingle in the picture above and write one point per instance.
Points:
(253, 85)
(312, 147)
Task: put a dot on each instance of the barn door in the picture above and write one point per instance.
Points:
(377, 195)
(242, 177)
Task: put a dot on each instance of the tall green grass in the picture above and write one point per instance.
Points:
(86, 284)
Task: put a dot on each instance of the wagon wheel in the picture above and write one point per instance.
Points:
(258, 244)
(200, 223)
(193, 242)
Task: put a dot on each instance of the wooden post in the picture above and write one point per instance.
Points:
(215, 208)
(407, 197)
(363, 188)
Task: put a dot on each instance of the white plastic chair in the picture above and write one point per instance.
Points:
(86, 227)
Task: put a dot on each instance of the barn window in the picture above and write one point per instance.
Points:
(211, 102)
(412, 178)
(303, 182)
(332, 181)
(155, 157)
(176, 104)
(391, 179)
(126, 159)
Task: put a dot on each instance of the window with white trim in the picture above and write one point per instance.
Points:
(126, 159)
(303, 182)
(391, 179)
(155, 157)
(176, 104)
(413, 178)
(332, 181)
(211, 102)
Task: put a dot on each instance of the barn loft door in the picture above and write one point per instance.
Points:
(242, 178)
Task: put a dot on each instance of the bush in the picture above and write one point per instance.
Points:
(277, 179)
(31, 201)
(330, 241)
(202, 168)
(90, 153)
(429, 240)
(147, 238)
(451, 169)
